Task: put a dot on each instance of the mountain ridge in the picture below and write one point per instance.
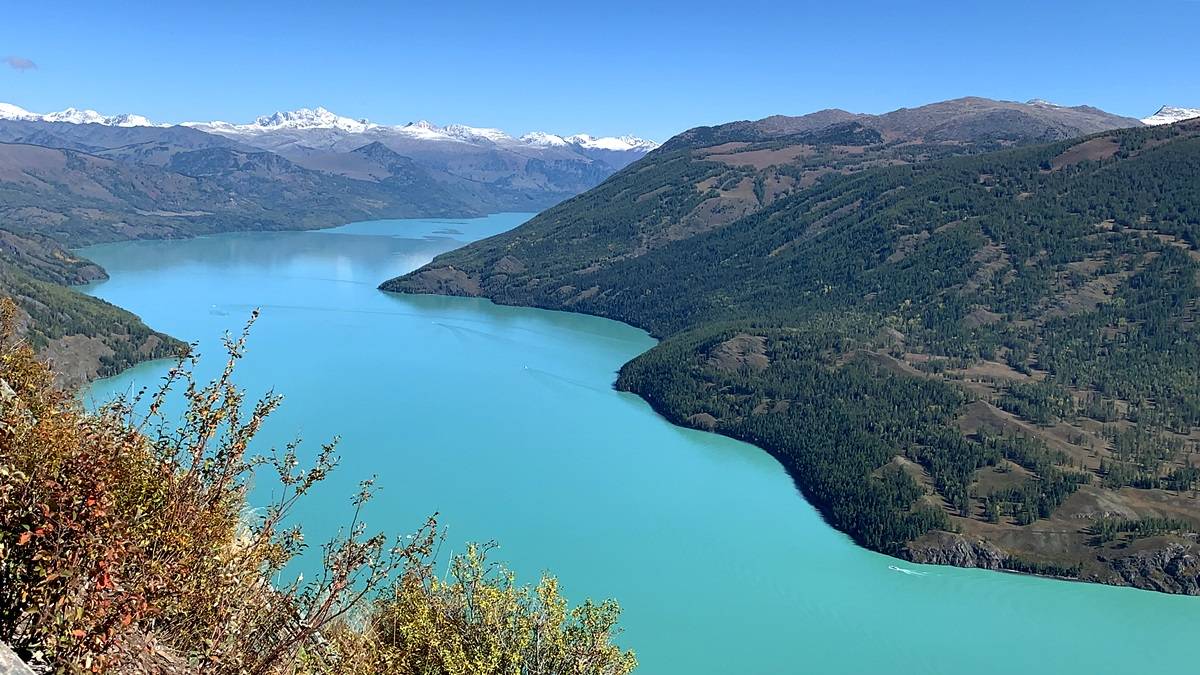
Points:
(79, 177)
(321, 118)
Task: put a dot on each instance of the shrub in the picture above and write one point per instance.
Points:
(126, 546)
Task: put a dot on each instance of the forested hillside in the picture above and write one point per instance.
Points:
(68, 184)
(986, 359)
(79, 198)
(85, 337)
(64, 184)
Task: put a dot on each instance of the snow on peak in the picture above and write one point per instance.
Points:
(75, 116)
(423, 129)
(315, 119)
(301, 119)
(427, 130)
(476, 133)
(131, 120)
(614, 143)
(9, 111)
(542, 139)
(1043, 102)
(1170, 114)
(537, 139)
(306, 118)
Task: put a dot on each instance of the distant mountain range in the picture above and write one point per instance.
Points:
(427, 170)
(9, 111)
(78, 177)
(321, 120)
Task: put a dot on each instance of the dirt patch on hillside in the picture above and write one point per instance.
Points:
(76, 358)
(906, 245)
(992, 372)
(761, 159)
(740, 352)
(1093, 151)
(442, 281)
(728, 206)
(891, 363)
(992, 479)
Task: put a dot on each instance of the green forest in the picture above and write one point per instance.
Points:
(35, 274)
(876, 294)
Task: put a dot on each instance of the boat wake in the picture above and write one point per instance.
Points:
(904, 570)
(545, 374)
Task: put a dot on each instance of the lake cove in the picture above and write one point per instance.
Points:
(505, 421)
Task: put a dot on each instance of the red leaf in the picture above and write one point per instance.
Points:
(24, 538)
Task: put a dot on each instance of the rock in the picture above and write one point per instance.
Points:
(7, 396)
(11, 664)
(948, 548)
(703, 421)
(1175, 568)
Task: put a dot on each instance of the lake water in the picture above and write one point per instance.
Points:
(505, 421)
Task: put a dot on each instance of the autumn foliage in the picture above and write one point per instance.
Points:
(127, 544)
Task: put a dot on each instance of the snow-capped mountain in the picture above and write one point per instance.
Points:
(542, 139)
(472, 134)
(589, 142)
(1170, 114)
(612, 143)
(9, 111)
(306, 119)
(482, 165)
(586, 141)
(321, 128)
(424, 129)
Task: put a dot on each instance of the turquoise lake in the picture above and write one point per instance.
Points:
(505, 421)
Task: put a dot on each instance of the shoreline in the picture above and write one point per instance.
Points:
(820, 507)
(995, 564)
(79, 374)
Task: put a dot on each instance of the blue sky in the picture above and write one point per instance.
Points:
(647, 68)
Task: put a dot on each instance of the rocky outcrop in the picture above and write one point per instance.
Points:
(703, 421)
(7, 398)
(948, 548)
(11, 664)
(1175, 568)
(1172, 568)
